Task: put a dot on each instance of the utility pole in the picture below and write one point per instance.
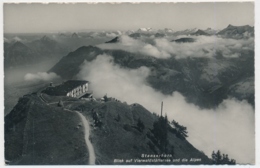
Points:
(161, 108)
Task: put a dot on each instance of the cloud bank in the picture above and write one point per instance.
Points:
(229, 127)
(135, 46)
(41, 76)
(204, 46)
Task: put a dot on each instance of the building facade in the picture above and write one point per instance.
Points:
(71, 88)
(78, 91)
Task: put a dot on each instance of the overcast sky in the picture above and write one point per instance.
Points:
(34, 18)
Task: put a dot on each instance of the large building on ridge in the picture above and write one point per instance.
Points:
(71, 88)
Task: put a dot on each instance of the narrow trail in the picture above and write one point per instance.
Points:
(92, 156)
(91, 152)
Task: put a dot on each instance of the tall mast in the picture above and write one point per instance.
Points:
(161, 108)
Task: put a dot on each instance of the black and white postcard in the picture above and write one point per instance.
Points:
(129, 83)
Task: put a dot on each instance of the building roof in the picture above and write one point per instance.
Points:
(64, 88)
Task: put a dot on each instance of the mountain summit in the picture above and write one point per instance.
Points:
(200, 33)
(114, 40)
(73, 61)
(74, 35)
(231, 31)
(45, 39)
(18, 54)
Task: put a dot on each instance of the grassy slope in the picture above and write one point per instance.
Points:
(49, 135)
(121, 140)
(14, 91)
(45, 135)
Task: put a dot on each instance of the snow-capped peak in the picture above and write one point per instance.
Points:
(144, 29)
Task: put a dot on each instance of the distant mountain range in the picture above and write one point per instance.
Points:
(47, 46)
(229, 32)
(19, 53)
(61, 44)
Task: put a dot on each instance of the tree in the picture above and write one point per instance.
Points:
(160, 131)
(140, 125)
(223, 159)
(233, 162)
(213, 156)
(181, 131)
(218, 157)
(105, 98)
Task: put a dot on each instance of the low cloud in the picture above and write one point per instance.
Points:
(41, 76)
(229, 127)
(135, 46)
(204, 46)
(14, 39)
(111, 34)
(17, 39)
